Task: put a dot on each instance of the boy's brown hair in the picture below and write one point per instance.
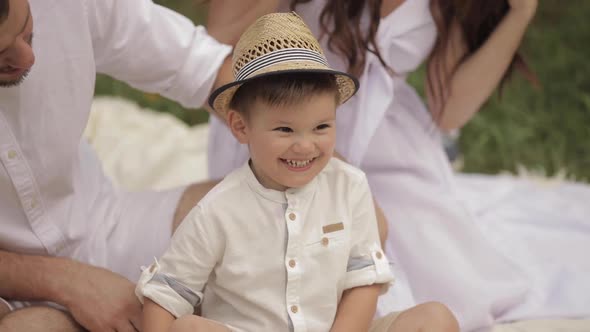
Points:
(283, 90)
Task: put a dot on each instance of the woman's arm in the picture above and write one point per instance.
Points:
(477, 77)
(356, 309)
(155, 318)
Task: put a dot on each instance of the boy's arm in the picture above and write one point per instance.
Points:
(155, 318)
(176, 281)
(356, 309)
(368, 273)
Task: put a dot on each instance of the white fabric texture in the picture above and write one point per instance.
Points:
(273, 259)
(55, 199)
(444, 249)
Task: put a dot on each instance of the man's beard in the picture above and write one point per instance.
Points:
(13, 83)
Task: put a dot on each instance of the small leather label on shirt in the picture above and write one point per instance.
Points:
(333, 228)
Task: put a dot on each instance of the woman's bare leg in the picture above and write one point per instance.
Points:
(191, 196)
(426, 317)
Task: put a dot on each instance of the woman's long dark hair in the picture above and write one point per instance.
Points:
(476, 19)
(341, 21)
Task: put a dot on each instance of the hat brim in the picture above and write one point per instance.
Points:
(221, 98)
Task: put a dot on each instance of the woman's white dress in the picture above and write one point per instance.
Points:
(491, 248)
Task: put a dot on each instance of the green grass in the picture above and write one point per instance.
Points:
(548, 128)
(544, 129)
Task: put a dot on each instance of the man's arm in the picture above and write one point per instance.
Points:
(356, 309)
(98, 299)
(154, 49)
(28, 277)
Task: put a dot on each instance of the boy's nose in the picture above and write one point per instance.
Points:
(303, 146)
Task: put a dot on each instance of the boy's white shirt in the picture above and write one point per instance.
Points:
(241, 242)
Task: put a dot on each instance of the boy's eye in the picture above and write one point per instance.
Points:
(322, 126)
(284, 129)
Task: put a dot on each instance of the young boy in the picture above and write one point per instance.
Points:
(289, 241)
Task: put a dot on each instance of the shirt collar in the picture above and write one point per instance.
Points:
(275, 195)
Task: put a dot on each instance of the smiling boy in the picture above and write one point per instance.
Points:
(289, 241)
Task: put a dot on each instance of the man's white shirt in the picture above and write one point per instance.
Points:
(54, 197)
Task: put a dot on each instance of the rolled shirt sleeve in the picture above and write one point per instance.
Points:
(154, 49)
(176, 281)
(367, 264)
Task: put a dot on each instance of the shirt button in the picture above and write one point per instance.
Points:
(378, 255)
(294, 309)
(292, 263)
(292, 216)
(12, 154)
(325, 241)
(34, 203)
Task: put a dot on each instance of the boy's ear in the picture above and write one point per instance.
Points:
(238, 126)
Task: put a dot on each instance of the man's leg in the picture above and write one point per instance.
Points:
(192, 323)
(4, 309)
(191, 196)
(38, 319)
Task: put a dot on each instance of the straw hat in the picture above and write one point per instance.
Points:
(276, 44)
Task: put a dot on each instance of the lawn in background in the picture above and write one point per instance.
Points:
(545, 129)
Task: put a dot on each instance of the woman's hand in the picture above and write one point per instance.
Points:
(526, 7)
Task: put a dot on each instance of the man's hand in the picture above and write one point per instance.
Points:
(100, 300)
(228, 19)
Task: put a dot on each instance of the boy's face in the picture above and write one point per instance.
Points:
(289, 145)
(16, 37)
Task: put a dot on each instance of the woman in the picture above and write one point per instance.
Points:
(388, 132)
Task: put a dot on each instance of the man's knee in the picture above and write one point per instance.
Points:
(191, 196)
(35, 319)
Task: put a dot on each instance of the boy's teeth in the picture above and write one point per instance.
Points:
(298, 163)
